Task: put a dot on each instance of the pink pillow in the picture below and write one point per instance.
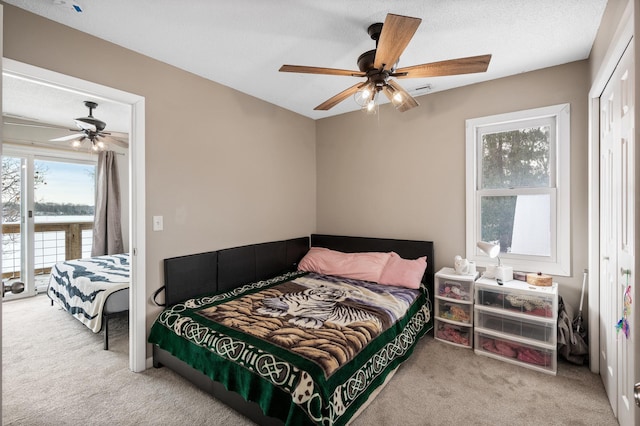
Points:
(403, 272)
(359, 266)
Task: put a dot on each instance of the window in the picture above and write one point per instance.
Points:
(518, 171)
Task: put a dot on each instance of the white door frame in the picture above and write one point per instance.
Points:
(137, 292)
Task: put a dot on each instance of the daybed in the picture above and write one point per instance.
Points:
(92, 290)
(281, 345)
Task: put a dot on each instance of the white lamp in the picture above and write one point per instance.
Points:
(503, 273)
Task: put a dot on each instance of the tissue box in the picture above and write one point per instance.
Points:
(520, 276)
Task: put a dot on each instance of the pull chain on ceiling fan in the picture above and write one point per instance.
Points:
(379, 65)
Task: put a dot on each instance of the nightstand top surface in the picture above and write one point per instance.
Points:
(452, 274)
(518, 285)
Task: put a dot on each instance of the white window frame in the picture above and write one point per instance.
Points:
(559, 261)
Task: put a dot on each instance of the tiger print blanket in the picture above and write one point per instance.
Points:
(308, 348)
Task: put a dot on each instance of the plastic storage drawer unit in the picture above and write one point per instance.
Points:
(517, 323)
(454, 307)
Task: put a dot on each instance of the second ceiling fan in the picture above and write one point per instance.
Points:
(92, 129)
(379, 65)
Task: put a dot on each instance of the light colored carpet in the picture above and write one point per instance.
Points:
(55, 372)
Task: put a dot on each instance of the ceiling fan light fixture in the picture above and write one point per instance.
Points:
(371, 107)
(363, 95)
(397, 99)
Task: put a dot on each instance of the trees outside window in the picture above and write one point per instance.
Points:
(11, 187)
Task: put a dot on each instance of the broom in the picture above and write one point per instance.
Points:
(577, 323)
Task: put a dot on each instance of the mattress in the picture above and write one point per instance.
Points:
(83, 286)
(308, 348)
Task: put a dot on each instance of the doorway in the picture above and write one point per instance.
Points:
(136, 167)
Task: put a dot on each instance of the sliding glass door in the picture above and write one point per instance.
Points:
(48, 207)
(14, 226)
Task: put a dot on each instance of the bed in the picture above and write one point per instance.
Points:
(93, 290)
(238, 324)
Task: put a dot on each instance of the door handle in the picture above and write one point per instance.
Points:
(636, 393)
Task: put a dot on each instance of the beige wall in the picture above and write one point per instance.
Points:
(223, 168)
(403, 174)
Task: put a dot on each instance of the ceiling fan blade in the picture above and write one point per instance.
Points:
(320, 70)
(405, 101)
(34, 125)
(85, 126)
(116, 141)
(397, 32)
(471, 64)
(68, 137)
(330, 103)
(119, 135)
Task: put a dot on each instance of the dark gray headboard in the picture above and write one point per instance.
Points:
(242, 265)
(199, 274)
(186, 276)
(194, 275)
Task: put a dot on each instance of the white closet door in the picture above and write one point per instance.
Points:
(617, 231)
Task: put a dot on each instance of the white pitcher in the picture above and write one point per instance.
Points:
(460, 265)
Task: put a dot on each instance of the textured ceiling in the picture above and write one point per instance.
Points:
(243, 43)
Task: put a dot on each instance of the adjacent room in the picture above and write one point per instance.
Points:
(303, 213)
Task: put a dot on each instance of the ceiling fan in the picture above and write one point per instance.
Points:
(379, 65)
(92, 129)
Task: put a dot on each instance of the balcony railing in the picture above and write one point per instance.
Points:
(54, 242)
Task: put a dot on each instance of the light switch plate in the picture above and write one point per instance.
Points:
(157, 223)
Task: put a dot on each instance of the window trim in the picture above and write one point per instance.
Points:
(559, 263)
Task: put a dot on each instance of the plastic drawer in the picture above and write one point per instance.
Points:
(455, 289)
(536, 304)
(538, 330)
(452, 311)
(510, 350)
(455, 334)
